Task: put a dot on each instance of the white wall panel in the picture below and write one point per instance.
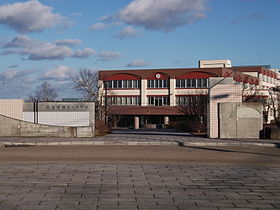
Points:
(11, 108)
(60, 118)
(158, 92)
(123, 92)
(28, 116)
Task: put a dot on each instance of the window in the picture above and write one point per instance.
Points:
(133, 100)
(158, 101)
(191, 100)
(205, 83)
(159, 83)
(119, 84)
(123, 84)
(188, 83)
(199, 83)
(191, 83)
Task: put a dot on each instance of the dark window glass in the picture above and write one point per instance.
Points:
(178, 83)
(205, 82)
(115, 84)
(188, 83)
(158, 83)
(193, 83)
(119, 84)
(124, 83)
(158, 101)
(183, 83)
(129, 84)
(199, 85)
(165, 83)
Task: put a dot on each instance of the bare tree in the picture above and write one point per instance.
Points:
(86, 82)
(274, 102)
(270, 103)
(196, 107)
(45, 93)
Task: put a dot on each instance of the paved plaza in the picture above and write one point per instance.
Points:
(139, 177)
(143, 186)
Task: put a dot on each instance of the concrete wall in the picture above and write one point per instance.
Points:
(18, 128)
(220, 90)
(12, 108)
(60, 113)
(240, 120)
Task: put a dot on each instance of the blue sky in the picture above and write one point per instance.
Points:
(50, 40)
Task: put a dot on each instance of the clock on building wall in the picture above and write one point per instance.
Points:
(158, 76)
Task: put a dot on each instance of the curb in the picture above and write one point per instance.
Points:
(143, 143)
(231, 144)
(95, 143)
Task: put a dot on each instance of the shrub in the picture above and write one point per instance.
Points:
(101, 128)
(188, 124)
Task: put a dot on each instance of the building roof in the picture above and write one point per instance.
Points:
(235, 72)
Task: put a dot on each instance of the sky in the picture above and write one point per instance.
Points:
(51, 40)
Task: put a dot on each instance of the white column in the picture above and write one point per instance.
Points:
(143, 92)
(166, 120)
(172, 92)
(101, 93)
(136, 122)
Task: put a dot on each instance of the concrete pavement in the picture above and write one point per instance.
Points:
(235, 156)
(140, 186)
(139, 177)
(142, 137)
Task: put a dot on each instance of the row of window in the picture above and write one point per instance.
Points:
(135, 84)
(159, 83)
(268, 79)
(123, 101)
(123, 84)
(191, 100)
(156, 100)
(191, 83)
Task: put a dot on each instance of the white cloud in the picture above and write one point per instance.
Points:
(11, 75)
(29, 16)
(138, 63)
(127, 32)
(164, 15)
(20, 41)
(84, 53)
(98, 26)
(48, 51)
(38, 50)
(68, 42)
(108, 55)
(59, 73)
